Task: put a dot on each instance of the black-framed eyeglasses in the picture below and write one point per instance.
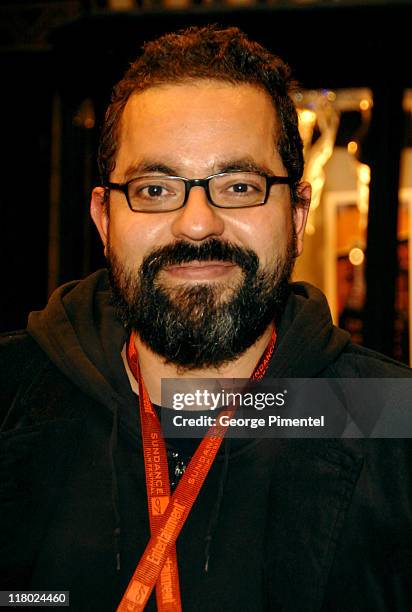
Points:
(157, 193)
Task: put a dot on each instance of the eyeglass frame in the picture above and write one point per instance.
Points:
(189, 183)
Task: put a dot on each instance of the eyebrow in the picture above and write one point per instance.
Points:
(245, 164)
(147, 167)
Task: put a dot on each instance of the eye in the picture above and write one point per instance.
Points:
(153, 191)
(244, 187)
(241, 187)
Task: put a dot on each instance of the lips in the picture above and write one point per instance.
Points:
(201, 264)
(200, 269)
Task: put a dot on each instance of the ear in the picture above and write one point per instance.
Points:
(300, 213)
(100, 214)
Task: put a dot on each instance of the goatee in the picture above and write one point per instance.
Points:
(197, 326)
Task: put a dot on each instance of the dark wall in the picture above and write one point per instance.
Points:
(25, 110)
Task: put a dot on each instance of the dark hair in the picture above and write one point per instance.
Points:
(208, 53)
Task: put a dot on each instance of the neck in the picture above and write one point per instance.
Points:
(153, 368)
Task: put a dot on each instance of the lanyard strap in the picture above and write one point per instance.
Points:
(167, 514)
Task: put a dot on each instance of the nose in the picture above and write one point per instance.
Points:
(198, 220)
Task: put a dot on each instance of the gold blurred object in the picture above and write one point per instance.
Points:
(356, 256)
(352, 147)
(317, 110)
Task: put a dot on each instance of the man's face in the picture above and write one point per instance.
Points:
(200, 262)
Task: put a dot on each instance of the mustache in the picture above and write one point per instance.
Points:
(184, 252)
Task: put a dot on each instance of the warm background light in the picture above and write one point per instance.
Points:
(352, 147)
(310, 229)
(356, 256)
(307, 117)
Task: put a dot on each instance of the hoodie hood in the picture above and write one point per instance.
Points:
(81, 335)
(308, 342)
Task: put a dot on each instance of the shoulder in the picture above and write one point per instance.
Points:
(18, 351)
(20, 360)
(29, 381)
(359, 362)
(15, 344)
(19, 355)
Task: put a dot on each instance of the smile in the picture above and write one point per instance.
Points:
(196, 270)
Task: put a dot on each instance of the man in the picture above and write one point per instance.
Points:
(202, 213)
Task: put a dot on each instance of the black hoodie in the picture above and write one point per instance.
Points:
(279, 525)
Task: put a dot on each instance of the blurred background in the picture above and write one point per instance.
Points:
(59, 61)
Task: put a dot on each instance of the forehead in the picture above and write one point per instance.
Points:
(196, 124)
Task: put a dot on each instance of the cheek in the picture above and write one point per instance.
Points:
(278, 231)
(131, 238)
(266, 231)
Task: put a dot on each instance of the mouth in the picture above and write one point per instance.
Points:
(201, 270)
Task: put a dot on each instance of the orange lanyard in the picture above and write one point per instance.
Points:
(167, 514)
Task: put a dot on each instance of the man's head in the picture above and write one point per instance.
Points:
(208, 53)
(201, 283)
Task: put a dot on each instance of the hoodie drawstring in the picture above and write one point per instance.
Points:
(216, 510)
(115, 487)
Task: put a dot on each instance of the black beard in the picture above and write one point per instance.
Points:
(190, 325)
